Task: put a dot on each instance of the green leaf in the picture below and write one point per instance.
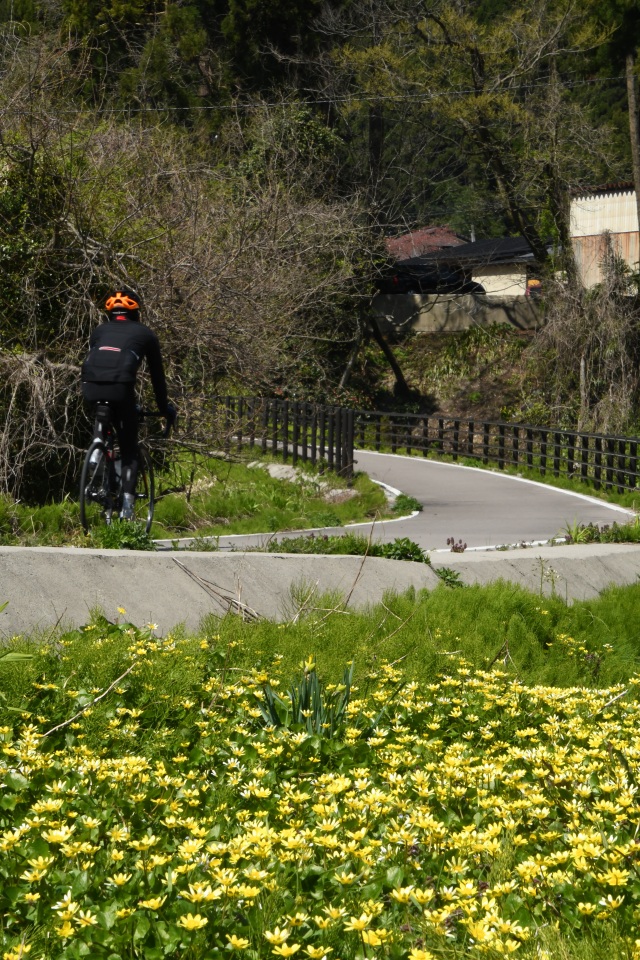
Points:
(142, 928)
(16, 781)
(394, 876)
(81, 883)
(13, 656)
(107, 916)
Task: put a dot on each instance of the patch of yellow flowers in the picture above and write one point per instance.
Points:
(480, 811)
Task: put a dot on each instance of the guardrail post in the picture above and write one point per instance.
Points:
(239, 414)
(584, 460)
(622, 465)
(322, 426)
(609, 462)
(543, 451)
(275, 425)
(425, 436)
(501, 445)
(314, 434)
(485, 442)
(556, 454)
(265, 427)
(295, 412)
(349, 444)
(571, 454)
(330, 438)
(470, 437)
(251, 425)
(598, 462)
(515, 446)
(529, 447)
(303, 430)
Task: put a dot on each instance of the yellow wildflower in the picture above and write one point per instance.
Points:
(277, 936)
(152, 904)
(286, 949)
(237, 943)
(17, 952)
(358, 923)
(66, 930)
(192, 921)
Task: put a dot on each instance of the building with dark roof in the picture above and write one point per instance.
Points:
(501, 266)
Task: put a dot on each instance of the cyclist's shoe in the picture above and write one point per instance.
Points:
(128, 504)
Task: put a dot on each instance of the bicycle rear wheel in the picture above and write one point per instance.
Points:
(145, 490)
(96, 500)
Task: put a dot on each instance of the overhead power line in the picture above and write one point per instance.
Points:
(418, 98)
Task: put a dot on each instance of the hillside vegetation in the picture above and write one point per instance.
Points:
(241, 164)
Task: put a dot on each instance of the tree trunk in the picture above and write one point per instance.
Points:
(376, 149)
(401, 387)
(634, 132)
(353, 356)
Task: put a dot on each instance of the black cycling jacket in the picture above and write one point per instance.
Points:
(116, 350)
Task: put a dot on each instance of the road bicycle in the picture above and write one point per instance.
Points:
(101, 492)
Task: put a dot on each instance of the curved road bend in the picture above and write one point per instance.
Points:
(482, 508)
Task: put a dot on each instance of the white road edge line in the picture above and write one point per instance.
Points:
(347, 526)
(505, 476)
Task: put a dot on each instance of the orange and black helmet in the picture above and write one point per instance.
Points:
(123, 299)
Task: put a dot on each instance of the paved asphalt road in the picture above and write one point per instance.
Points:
(479, 507)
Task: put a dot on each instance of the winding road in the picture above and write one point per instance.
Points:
(47, 586)
(482, 508)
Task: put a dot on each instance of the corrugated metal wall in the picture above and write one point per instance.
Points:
(594, 214)
(589, 253)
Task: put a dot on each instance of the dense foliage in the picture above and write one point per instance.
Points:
(240, 161)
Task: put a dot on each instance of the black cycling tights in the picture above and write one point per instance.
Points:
(124, 417)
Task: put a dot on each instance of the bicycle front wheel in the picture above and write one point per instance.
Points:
(96, 503)
(145, 491)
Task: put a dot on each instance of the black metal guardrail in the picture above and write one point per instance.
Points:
(297, 430)
(327, 436)
(605, 461)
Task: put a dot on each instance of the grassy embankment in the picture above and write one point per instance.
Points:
(219, 497)
(468, 791)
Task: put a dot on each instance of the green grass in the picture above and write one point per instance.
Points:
(212, 497)
(231, 499)
(538, 640)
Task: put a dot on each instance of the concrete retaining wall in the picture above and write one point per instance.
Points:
(44, 585)
(446, 314)
(49, 585)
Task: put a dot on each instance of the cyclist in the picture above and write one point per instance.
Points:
(116, 349)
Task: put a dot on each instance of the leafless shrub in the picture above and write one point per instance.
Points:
(589, 350)
(244, 262)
